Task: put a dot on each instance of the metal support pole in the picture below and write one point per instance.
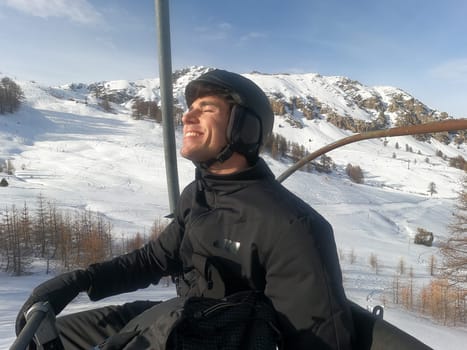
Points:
(165, 76)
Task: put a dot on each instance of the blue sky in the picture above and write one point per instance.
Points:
(417, 45)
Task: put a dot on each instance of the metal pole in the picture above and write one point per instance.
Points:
(165, 77)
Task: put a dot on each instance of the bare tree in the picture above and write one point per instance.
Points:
(401, 266)
(136, 242)
(16, 255)
(25, 248)
(157, 228)
(373, 260)
(352, 256)
(65, 239)
(454, 248)
(93, 240)
(432, 265)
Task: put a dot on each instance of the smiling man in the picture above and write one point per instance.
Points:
(235, 229)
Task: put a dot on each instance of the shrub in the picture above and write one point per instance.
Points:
(355, 173)
(457, 162)
(3, 183)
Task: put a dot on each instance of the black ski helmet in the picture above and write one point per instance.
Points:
(251, 119)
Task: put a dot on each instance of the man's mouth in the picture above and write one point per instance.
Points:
(192, 134)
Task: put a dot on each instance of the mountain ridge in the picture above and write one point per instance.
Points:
(347, 91)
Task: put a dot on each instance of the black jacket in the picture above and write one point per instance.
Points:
(257, 235)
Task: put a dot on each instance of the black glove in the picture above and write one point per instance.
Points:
(58, 291)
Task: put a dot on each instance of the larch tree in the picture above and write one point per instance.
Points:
(454, 247)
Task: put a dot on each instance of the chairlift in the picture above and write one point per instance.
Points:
(372, 331)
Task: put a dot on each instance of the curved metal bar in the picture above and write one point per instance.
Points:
(439, 126)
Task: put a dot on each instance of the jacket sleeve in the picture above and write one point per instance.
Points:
(304, 282)
(139, 268)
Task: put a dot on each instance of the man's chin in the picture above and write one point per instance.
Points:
(193, 157)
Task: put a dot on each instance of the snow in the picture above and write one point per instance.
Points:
(83, 158)
(291, 85)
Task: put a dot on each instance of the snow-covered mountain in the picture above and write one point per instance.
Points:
(311, 110)
(80, 153)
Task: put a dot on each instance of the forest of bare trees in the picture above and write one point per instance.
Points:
(66, 240)
(444, 298)
(279, 147)
(149, 109)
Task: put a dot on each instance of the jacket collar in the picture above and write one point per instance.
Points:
(258, 171)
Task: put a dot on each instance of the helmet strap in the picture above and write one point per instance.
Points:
(223, 155)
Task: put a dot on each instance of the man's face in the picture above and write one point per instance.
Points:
(204, 128)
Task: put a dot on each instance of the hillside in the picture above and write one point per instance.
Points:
(308, 108)
(65, 144)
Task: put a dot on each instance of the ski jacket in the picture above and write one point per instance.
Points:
(250, 232)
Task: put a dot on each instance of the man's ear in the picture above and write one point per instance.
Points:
(244, 127)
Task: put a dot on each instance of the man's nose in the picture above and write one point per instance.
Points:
(190, 117)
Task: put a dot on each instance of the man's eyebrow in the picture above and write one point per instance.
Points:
(209, 103)
(204, 104)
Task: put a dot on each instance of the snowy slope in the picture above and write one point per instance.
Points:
(66, 148)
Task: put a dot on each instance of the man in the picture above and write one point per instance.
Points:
(235, 228)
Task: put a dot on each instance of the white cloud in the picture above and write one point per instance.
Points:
(454, 70)
(80, 11)
(252, 35)
(224, 26)
(216, 32)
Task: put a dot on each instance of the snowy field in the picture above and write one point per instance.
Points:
(82, 158)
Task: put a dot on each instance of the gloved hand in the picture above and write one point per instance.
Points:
(58, 291)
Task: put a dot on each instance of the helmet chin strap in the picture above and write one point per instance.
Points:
(223, 155)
